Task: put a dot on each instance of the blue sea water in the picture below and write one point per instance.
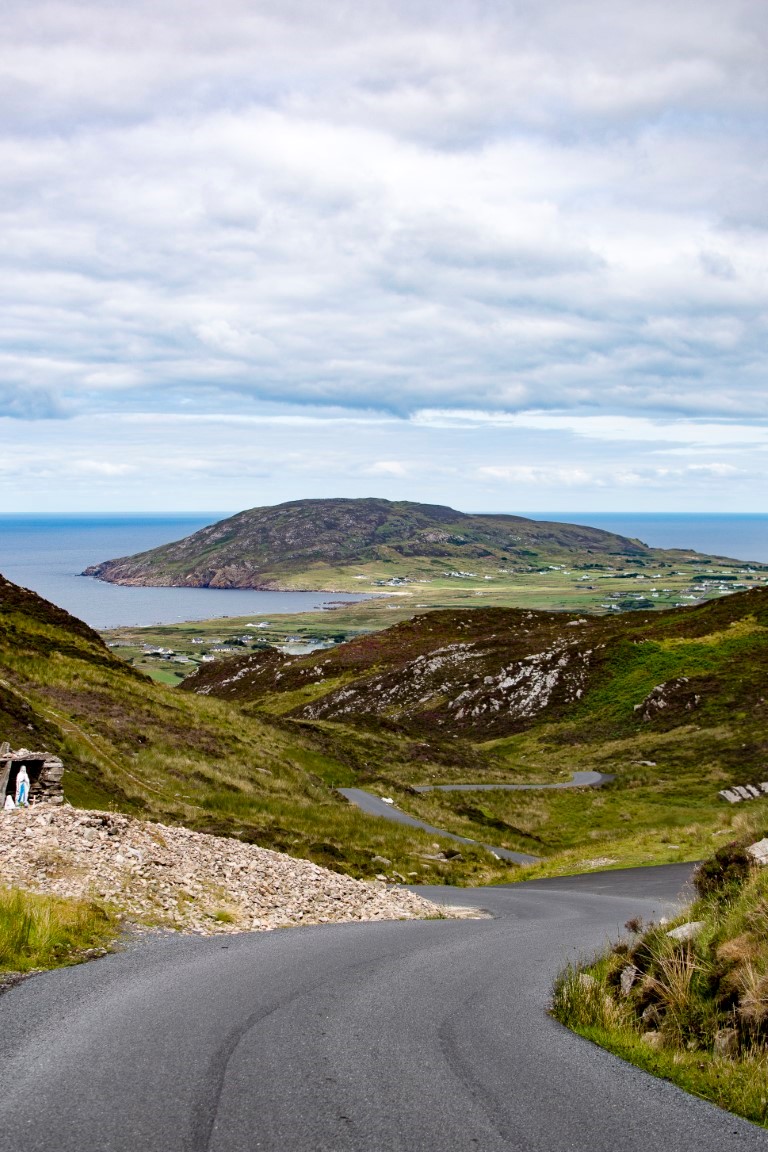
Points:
(739, 536)
(47, 554)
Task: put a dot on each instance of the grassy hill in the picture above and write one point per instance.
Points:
(140, 747)
(673, 704)
(327, 544)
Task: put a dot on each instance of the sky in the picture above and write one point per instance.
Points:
(498, 254)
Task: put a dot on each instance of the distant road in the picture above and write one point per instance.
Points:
(426, 1036)
(375, 806)
(577, 780)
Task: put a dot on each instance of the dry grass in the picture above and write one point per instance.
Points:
(695, 1011)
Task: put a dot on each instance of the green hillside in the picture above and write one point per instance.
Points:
(148, 750)
(328, 544)
(673, 704)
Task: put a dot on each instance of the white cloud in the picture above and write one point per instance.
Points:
(533, 476)
(607, 428)
(388, 468)
(564, 478)
(529, 219)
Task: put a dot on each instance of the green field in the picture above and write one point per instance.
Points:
(557, 590)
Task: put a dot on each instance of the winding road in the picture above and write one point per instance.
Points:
(375, 806)
(420, 1036)
(577, 780)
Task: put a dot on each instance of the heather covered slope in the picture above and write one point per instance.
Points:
(486, 673)
(314, 544)
(672, 704)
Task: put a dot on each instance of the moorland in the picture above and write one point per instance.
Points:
(670, 703)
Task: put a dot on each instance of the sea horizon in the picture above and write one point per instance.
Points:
(47, 552)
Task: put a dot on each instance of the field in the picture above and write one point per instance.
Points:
(558, 589)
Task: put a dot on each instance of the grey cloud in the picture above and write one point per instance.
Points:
(715, 264)
(23, 403)
(387, 204)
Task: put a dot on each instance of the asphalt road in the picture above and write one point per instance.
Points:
(426, 1036)
(375, 806)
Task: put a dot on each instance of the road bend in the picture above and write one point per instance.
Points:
(418, 1036)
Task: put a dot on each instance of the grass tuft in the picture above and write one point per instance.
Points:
(49, 931)
(694, 1011)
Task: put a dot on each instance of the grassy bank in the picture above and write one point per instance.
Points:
(49, 932)
(693, 1010)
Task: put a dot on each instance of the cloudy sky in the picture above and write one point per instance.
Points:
(502, 254)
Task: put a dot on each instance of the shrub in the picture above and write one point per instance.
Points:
(724, 871)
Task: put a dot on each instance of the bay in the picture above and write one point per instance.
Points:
(47, 554)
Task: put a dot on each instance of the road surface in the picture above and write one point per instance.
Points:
(578, 780)
(421, 1036)
(375, 806)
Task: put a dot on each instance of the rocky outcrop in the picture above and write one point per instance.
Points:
(176, 878)
(672, 694)
(452, 679)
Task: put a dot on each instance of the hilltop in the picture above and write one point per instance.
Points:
(324, 544)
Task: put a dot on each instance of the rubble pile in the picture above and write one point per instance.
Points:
(172, 877)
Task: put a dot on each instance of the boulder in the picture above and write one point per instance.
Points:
(687, 931)
(628, 977)
(726, 1042)
(759, 851)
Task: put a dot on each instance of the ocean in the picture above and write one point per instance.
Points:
(47, 554)
(740, 536)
